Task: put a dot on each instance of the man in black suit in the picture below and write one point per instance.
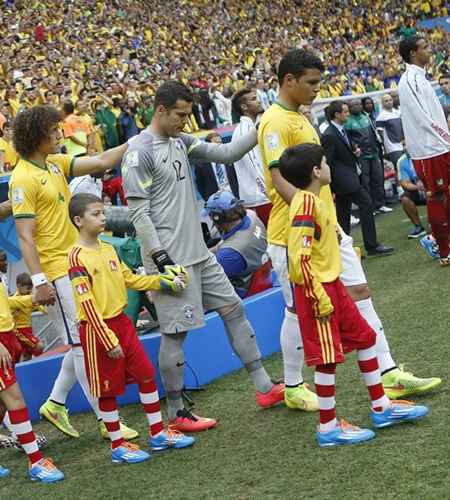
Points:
(212, 177)
(342, 157)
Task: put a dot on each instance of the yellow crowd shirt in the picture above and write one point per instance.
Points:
(281, 128)
(42, 193)
(21, 308)
(10, 156)
(313, 249)
(6, 319)
(100, 281)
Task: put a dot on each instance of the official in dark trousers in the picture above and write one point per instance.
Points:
(342, 157)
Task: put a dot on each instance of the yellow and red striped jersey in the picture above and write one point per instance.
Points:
(100, 281)
(313, 248)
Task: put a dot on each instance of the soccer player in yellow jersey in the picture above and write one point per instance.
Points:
(113, 353)
(282, 126)
(40, 196)
(11, 400)
(331, 324)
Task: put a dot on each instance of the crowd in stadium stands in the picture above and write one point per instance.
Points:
(110, 68)
(102, 75)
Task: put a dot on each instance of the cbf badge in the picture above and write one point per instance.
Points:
(273, 140)
(189, 312)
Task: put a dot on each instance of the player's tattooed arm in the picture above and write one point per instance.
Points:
(220, 153)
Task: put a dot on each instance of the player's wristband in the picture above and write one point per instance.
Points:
(39, 279)
(161, 258)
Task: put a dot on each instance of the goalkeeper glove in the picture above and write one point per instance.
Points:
(161, 259)
(174, 278)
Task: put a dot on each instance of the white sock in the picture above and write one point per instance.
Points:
(292, 349)
(65, 380)
(80, 371)
(368, 312)
(7, 424)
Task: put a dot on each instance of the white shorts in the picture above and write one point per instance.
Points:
(352, 270)
(64, 314)
(279, 258)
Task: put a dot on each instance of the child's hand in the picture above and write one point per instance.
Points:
(5, 358)
(116, 353)
(174, 279)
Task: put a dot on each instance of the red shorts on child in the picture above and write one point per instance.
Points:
(28, 341)
(8, 376)
(108, 377)
(346, 330)
(434, 173)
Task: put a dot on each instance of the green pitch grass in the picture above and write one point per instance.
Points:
(272, 454)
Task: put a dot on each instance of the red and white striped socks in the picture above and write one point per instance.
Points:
(148, 394)
(368, 365)
(21, 427)
(325, 382)
(110, 417)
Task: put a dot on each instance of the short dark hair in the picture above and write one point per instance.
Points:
(68, 107)
(24, 279)
(297, 163)
(170, 92)
(333, 108)
(296, 62)
(407, 45)
(237, 100)
(32, 127)
(79, 203)
(444, 76)
(211, 136)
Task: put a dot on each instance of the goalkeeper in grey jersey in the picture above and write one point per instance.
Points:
(158, 184)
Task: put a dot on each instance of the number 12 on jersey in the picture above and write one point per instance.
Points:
(178, 170)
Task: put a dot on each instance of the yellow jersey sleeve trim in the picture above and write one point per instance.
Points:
(24, 216)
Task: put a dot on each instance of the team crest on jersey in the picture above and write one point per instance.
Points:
(440, 182)
(188, 311)
(82, 288)
(273, 140)
(132, 159)
(18, 196)
(113, 265)
(307, 241)
(106, 385)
